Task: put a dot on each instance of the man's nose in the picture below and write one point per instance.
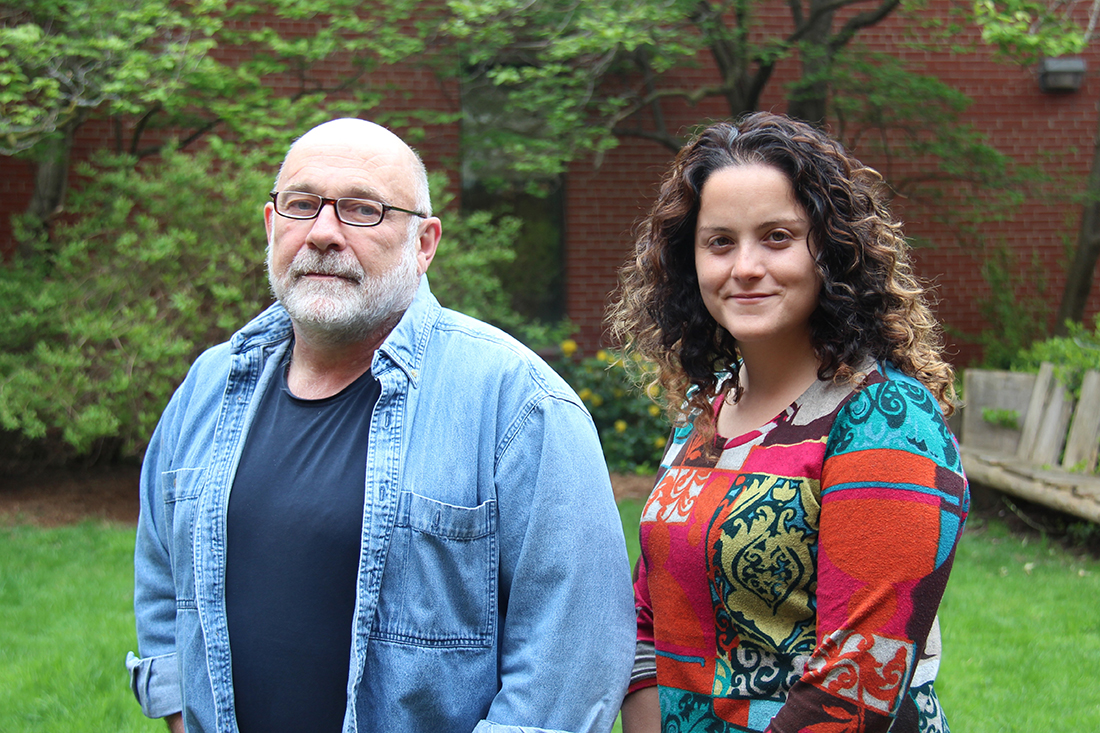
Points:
(327, 229)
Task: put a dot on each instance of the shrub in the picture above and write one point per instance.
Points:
(474, 249)
(632, 427)
(153, 264)
(1072, 355)
(1016, 317)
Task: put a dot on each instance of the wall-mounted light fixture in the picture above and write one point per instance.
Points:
(1061, 75)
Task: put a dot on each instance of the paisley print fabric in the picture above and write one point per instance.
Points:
(792, 583)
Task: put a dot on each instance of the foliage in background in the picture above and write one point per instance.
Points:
(1008, 419)
(1031, 30)
(1016, 319)
(162, 71)
(576, 80)
(1026, 31)
(1071, 355)
(62, 61)
(597, 72)
(632, 427)
(153, 265)
(474, 248)
(892, 114)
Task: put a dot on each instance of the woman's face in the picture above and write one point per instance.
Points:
(753, 257)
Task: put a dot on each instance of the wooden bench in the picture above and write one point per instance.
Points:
(1027, 459)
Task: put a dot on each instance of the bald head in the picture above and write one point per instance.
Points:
(368, 140)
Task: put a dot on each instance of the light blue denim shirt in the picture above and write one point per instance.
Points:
(494, 589)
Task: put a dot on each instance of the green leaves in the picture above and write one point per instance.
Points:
(632, 427)
(466, 272)
(154, 265)
(158, 262)
(186, 65)
(1027, 30)
(66, 60)
(1072, 355)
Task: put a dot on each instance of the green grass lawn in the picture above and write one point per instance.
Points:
(1021, 633)
(66, 623)
(1021, 627)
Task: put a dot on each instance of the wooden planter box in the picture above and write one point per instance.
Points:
(1033, 460)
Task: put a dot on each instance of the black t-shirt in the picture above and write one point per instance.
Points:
(293, 539)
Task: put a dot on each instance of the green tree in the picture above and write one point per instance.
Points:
(162, 66)
(1025, 31)
(577, 78)
(592, 69)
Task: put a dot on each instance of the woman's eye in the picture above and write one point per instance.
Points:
(779, 237)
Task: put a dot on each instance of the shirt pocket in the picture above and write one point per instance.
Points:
(181, 489)
(439, 583)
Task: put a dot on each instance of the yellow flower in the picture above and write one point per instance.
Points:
(653, 391)
(654, 410)
(617, 393)
(568, 347)
(660, 441)
(597, 400)
(601, 355)
(620, 426)
(585, 393)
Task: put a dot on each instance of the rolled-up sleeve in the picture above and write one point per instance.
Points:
(155, 683)
(154, 673)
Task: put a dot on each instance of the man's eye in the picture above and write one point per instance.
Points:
(300, 204)
(364, 209)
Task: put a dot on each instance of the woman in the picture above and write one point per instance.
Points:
(797, 542)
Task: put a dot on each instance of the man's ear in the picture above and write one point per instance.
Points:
(430, 231)
(269, 215)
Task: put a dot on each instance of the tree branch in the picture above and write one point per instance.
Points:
(671, 142)
(142, 123)
(860, 21)
(825, 8)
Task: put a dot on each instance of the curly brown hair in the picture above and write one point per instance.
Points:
(870, 306)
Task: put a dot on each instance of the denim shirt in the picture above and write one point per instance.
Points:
(494, 589)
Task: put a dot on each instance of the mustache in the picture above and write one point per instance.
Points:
(337, 264)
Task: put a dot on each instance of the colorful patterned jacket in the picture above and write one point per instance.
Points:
(792, 583)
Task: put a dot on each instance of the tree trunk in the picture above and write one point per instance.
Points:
(51, 180)
(1075, 296)
(808, 98)
(808, 102)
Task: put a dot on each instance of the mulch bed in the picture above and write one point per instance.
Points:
(59, 496)
(52, 497)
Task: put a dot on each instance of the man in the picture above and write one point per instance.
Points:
(368, 513)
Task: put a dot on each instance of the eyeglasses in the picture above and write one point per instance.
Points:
(353, 212)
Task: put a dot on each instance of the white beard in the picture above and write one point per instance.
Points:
(349, 309)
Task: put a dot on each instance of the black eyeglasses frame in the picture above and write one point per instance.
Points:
(325, 201)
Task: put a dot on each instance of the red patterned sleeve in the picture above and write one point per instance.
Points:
(893, 501)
